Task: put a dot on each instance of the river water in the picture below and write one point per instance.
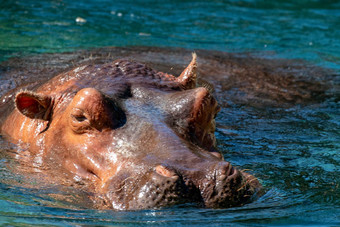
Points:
(294, 150)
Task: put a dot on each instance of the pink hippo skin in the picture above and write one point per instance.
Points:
(141, 138)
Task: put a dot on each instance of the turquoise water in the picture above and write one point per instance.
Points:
(306, 29)
(294, 151)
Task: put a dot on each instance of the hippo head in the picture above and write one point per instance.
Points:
(144, 139)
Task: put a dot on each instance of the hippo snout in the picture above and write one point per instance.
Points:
(158, 187)
(164, 188)
(222, 186)
(229, 187)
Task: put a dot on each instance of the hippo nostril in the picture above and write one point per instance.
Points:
(224, 170)
(165, 171)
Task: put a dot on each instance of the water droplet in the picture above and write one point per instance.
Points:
(80, 20)
(144, 34)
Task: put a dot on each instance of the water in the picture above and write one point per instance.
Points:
(294, 29)
(294, 151)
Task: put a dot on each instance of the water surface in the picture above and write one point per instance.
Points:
(295, 29)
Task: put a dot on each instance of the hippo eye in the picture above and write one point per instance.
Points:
(78, 115)
(79, 118)
(78, 121)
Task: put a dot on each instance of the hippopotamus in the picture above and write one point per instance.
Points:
(142, 139)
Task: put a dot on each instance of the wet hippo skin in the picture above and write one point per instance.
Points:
(134, 134)
(244, 78)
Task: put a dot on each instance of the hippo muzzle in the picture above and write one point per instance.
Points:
(141, 138)
(161, 186)
(173, 171)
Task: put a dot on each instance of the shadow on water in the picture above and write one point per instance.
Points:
(290, 142)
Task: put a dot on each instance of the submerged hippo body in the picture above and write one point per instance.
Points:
(142, 138)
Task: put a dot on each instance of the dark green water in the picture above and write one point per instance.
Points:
(294, 151)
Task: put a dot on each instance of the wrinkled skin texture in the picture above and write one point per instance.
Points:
(142, 138)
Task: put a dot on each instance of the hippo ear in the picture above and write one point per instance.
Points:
(34, 105)
(189, 76)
